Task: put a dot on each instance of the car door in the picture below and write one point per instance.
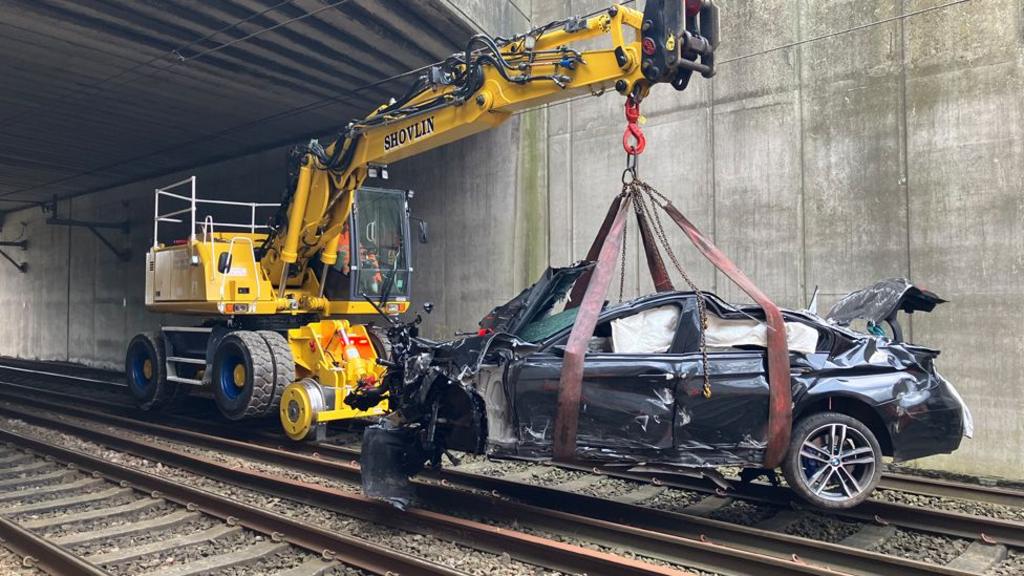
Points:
(628, 399)
(735, 413)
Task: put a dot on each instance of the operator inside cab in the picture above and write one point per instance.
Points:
(380, 247)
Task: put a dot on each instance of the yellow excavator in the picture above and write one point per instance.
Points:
(280, 284)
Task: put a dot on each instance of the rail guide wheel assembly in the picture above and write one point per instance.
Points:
(301, 405)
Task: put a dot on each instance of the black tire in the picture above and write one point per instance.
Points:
(252, 395)
(145, 367)
(284, 364)
(811, 465)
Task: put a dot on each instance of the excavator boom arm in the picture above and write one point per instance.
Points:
(478, 89)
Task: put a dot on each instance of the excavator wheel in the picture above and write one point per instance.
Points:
(301, 404)
(284, 363)
(243, 376)
(145, 367)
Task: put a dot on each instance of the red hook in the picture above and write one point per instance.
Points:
(633, 129)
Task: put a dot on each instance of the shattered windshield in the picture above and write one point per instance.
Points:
(548, 326)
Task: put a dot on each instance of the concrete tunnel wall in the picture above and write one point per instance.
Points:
(897, 150)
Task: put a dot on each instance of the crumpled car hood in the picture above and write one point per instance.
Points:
(536, 300)
(880, 301)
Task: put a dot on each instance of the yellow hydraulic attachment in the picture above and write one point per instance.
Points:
(272, 310)
(317, 348)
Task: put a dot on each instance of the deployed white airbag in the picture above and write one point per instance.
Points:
(731, 333)
(647, 332)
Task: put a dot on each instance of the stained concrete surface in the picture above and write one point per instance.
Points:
(893, 150)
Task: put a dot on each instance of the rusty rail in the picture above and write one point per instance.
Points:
(602, 520)
(352, 551)
(525, 547)
(39, 552)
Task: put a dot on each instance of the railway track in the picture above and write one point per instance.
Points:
(684, 539)
(73, 514)
(704, 555)
(691, 525)
(902, 482)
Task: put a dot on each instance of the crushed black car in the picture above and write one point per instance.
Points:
(857, 396)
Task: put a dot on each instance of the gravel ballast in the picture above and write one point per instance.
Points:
(909, 544)
(11, 565)
(930, 548)
(951, 504)
(821, 527)
(440, 551)
(673, 500)
(745, 513)
(1012, 566)
(223, 539)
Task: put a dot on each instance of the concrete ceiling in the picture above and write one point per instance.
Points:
(98, 93)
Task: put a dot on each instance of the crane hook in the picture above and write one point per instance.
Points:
(633, 130)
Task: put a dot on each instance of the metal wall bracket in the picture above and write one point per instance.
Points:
(23, 244)
(94, 227)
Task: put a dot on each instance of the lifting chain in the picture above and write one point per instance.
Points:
(644, 199)
(627, 198)
(643, 193)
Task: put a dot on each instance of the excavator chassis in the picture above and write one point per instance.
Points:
(263, 349)
(294, 372)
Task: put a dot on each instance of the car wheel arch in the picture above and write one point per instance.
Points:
(855, 408)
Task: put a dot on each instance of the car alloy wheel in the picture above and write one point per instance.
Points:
(834, 461)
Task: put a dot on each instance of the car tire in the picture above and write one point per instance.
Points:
(243, 376)
(145, 367)
(834, 461)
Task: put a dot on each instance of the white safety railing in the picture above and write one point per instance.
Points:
(207, 223)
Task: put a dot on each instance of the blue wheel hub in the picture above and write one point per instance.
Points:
(226, 377)
(138, 379)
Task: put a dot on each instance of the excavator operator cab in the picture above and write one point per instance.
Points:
(375, 260)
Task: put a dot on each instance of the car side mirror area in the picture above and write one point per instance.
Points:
(558, 350)
(224, 262)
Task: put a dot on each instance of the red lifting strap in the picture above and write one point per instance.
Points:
(589, 294)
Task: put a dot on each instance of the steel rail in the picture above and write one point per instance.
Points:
(901, 482)
(568, 512)
(41, 553)
(890, 481)
(952, 489)
(59, 375)
(332, 545)
(945, 522)
(525, 547)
